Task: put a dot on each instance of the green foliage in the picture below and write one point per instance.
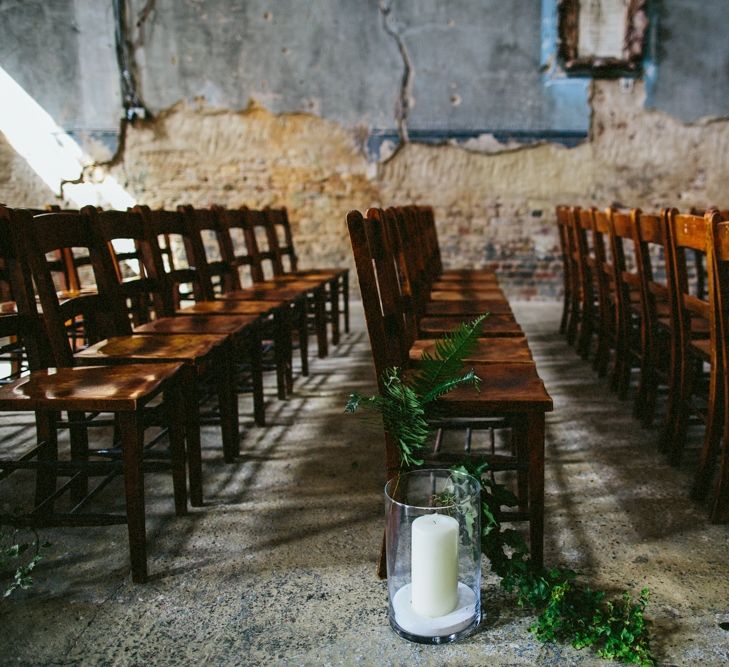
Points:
(18, 559)
(403, 404)
(567, 612)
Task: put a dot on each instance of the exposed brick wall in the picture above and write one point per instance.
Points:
(493, 210)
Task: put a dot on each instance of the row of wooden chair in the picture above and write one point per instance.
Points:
(141, 344)
(409, 300)
(650, 292)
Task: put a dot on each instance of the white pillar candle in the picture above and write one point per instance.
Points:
(434, 565)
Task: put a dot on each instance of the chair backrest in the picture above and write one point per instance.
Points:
(24, 321)
(281, 241)
(240, 247)
(262, 244)
(139, 283)
(102, 309)
(604, 265)
(718, 278)
(426, 218)
(687, 233)
(204, 243)
(378, 280)
(172, 278)
(565, 243)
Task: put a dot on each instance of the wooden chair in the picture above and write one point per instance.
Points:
(275, 315)
(509, 389)
(589, 310)
(286, 267)
(628, 307)
(718, 281)
(568, 273)
(430, 246)
(126, 392)
(415, 297)
(111, 341)
(688, 233)
(610, 336)
(152, 312)
(307, 298)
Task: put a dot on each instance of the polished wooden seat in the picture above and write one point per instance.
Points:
(511, 390)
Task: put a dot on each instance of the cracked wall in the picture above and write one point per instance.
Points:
(337, 72)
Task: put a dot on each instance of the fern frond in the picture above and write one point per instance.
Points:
(469, 378)
(447, 359)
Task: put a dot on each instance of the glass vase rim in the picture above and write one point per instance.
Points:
(477, 488)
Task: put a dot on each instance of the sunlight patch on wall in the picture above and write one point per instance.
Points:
(52, 153)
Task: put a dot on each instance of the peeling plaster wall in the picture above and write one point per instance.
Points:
(494, 202)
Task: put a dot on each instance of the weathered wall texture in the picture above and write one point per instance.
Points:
(19, 184)
(325, 77)
(493, 209)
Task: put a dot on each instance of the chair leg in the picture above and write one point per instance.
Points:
(320, 318)
(573, 321)
(280, 324)
(681, 413)
(132, 447)
(585, 335)
(565, 312)
(712, 438)
(254, 344)
(192, 435)
(345, 294)
(79, 438)
(46, 478)
(333, 287)
(535, 443)
(175, 402)
(719, 512)
(303, 327)
(228, 404)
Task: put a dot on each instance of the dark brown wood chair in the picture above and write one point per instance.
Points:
(286, 268)
(589, 321)
(691, 234)
(718, 281)
(610, 334)
(152, 313)
(568, 277)
(245, 264)
(110, 337)
(129, 393)
(629, 306)
(196, 281)
(511, 390)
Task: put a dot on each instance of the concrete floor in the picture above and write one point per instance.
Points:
(278, 567)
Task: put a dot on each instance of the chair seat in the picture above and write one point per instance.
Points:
(194, 324)
(232, 308)
(459, 274)
(505, 388)
(88, 388)
(486, 351)
(494, 326)
(268, 292)
(496, 306)
(467, 295)
(125, 349)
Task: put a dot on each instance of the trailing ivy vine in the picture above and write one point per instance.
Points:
(19, 556)
(567, 611)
